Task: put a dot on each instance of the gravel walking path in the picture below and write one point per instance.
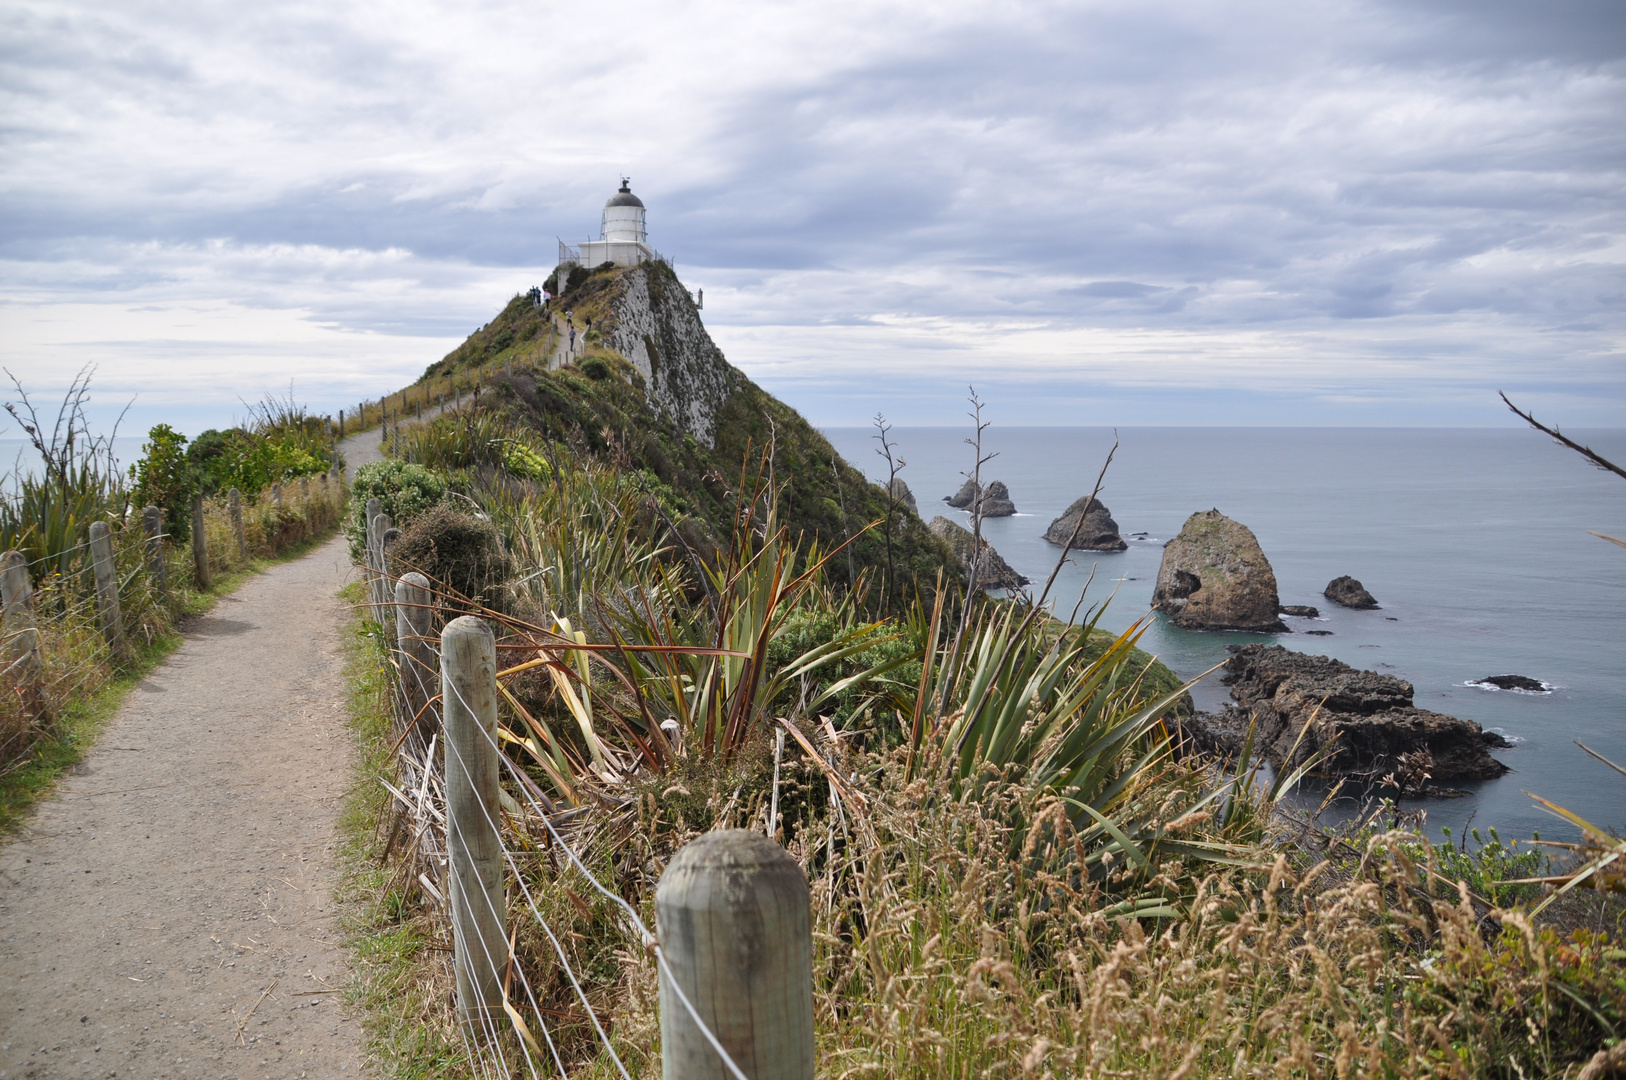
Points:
(169, 911)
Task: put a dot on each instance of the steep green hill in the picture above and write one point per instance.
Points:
(652, 392)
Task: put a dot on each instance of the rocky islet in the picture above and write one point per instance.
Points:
(1214, 576)
(1359, 725)
(1088, 524)
(1345, 591)
(991, 501)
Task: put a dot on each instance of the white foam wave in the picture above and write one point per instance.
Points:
(1546, 688)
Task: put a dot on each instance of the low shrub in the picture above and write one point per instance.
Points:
(459, 551)
(404, 491)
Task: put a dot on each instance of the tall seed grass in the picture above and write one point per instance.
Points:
(1025, 882)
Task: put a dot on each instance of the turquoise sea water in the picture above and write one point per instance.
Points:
(1474, 541)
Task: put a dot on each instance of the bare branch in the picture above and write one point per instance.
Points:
(1585, 451)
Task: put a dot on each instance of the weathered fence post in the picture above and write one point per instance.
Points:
(276, 496)
(414, 634)
(235, 499)
(157, 565)
(468, 666)
(22, 652)
(107, 589)
(341, 425)
(370, 560)
(305, 488)
(734, 925)
(200, 545)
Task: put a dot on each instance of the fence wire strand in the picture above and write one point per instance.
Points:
(417, 760)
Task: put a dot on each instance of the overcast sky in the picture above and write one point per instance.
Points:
(1098, 213)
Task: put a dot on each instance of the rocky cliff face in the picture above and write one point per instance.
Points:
(649, 319)
(1100, 532)
(993, 572)
(1362, 723)
(1215, 577)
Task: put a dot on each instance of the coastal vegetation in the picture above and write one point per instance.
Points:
(53, 705)
(1015, 867)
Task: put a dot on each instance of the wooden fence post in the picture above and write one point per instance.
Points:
(468, 664)
(235, 499)
(107, 589)
(414, 640)
(341, 425)
(276, 496)
(734, 925)
(157, 565)
(381, 589)
(200, 545)
(22, 651)
(370, 559)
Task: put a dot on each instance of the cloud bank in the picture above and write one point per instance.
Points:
(1097, 213)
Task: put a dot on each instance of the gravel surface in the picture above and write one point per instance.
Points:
(169, 912)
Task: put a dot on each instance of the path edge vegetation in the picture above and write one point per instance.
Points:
(393, 987)
(76, 730)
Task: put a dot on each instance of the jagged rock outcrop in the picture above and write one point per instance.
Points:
(964, 497)
(1099, 532)
(996, 501)
(1362, 722)
(903, 496)
(1299, 611)
(993, 572)
(1348, 592)
(1215, 577)
(991, 501)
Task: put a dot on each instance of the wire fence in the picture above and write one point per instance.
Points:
(519, 1036)
(62, 639)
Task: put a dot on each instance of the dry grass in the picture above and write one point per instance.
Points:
(969, 920)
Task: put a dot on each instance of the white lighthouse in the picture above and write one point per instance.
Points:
(623, 236)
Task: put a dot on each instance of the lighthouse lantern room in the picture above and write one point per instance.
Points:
(623, 235)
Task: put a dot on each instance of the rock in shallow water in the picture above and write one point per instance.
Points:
(996, 501)
(1349, 593)
(1215, 577)
(1514, 682)
(1363, 723)
(1097, 533)
(1300, 611)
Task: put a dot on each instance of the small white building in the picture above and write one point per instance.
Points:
(623, 235)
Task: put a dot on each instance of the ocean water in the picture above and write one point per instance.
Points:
(1474, 541)
(19, 458)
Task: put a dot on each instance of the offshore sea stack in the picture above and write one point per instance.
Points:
(1215, 577)
(991, 501)
(993, 572)
(1348, 592)
(1362, 722)
(1099, 531)
(996, 501)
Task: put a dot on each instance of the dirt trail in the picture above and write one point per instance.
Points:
(169, 912)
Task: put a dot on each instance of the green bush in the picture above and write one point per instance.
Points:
(165, 478)
(404, 492)
(251, 462)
